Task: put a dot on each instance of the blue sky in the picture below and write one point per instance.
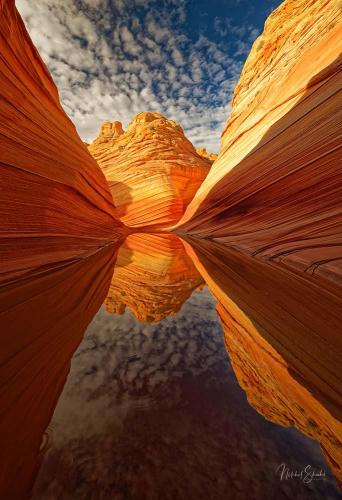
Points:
(112, 59)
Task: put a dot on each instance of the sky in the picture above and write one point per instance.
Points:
(112, 59)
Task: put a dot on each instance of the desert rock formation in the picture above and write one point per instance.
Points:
(153, 277)
(273, 193)
(55, 204)
(109, 132)
(152, 169)
(204, 153)
(275, 190)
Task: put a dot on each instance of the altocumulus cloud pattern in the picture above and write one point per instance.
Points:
(113, 59)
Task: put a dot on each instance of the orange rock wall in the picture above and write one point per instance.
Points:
(54, 200)
(152, 169)
(275, 190)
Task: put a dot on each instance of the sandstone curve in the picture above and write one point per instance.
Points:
(275, 189)
(55, 204)
(152, 169)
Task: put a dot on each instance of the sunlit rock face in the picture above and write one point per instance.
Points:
(55, 204)
(109, 133)
(153, 277)
(42, 321)
(153, 170)
(275, 189)
(286, 357)
(204, 153)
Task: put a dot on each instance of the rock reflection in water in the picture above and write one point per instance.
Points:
(43, 316)
(282, 333)
(153, 411)
(153, 276)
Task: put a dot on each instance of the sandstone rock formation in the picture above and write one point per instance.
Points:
(109, 132)
(274, 192)
(55, 209)
(275, 189)
(152, 169)
(153, 277)
(55, 204)
(204, 153)
(286, 358)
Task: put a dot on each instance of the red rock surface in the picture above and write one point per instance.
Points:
(275, 190)
(55, 204)
(153, 170)
(153, 277)
(287, 359)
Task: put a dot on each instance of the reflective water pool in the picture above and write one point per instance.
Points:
(167, 398)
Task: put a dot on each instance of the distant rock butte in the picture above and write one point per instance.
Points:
(275, 189)
(55, 204)
(209, 156)
(153, 276)
(109, 132)
(152, 169)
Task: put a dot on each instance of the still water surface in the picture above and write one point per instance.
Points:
(152, 407)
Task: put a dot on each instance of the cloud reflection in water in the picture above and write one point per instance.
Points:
(153, 409)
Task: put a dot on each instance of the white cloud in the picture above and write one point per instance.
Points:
(109, 64)
(177, 57)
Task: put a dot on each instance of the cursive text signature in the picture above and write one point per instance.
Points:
(307, 474)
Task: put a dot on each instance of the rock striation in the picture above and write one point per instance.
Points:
(109, 132)
(152, 169)
(275, 189)
(287, 359)
(55, 210)
(153, 277)
(55, 204)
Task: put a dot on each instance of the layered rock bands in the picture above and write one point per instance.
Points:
(152, 169)
(55, 204)
(153, 277)
(275, 190)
